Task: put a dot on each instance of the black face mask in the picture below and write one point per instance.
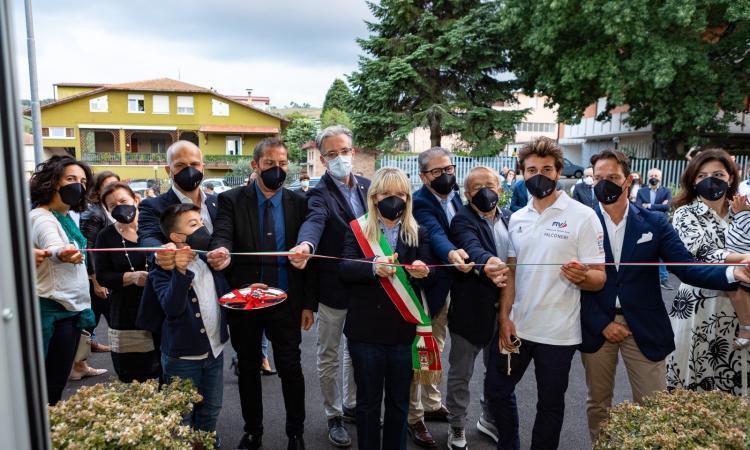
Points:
(653, 181)
(273, 178)
(443, 184)
(200, 239)
(188, 179)
(72, 194)
(540, 186)
(712, 188)
(485, 200)
(607, 192)
(124, 213)
(391, 207)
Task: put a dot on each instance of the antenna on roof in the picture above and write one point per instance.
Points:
(179, 77)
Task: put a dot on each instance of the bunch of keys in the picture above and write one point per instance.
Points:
(516, 346)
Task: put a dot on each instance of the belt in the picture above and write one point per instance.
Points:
(618, 311)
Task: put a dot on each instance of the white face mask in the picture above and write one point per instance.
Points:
(340, 167)
(305, 183)
(588, 180)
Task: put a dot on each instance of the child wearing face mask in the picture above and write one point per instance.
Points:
(195, 329)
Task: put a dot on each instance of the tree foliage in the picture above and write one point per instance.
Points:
(678, 64)
(338, 97)
(300, 130)
(335, 116)
(435, 64)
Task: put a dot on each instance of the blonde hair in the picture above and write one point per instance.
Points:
(395, 179)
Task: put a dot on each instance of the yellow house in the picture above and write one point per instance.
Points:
(127, 127)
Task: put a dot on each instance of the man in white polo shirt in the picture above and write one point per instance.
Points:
(559, 250)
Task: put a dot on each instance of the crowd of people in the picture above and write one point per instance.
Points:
(551, 275)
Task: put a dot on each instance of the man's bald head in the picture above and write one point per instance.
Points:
(182, 154)
(480, 172)
(182, 147)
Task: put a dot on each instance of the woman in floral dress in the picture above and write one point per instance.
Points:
(704, 321)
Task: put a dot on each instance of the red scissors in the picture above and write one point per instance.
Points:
(251, 298)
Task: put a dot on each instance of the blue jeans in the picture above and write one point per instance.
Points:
(264, 346)
(552, 365)
(663, 274)
(207, 376)
(381, 368)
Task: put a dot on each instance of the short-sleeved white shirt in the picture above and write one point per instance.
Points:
(547, 306)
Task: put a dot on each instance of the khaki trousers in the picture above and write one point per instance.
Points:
(646, 377)
(426, 397)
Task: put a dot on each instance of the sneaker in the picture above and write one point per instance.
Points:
(666, 286)
(457, 439)
(487, 428)
(337, 433)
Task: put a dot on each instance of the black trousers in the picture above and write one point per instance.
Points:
(100, 306)
(282, 328)
(62, 349)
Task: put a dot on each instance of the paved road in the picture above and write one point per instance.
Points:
(574, 433)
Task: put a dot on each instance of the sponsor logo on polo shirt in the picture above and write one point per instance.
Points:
(558, 230)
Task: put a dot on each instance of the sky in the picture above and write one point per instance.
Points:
(288, 50)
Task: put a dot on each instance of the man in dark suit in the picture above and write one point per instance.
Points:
(583, 192)
(481, 229)
(656, 197)
(265, 217)
(185, 168)
(628, 315)
(435, 204)
(337, 199)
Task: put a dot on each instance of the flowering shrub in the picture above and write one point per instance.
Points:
(681, 419)
(128, 416)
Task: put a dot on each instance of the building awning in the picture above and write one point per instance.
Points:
(238, 129)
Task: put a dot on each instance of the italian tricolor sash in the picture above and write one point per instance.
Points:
(425, 351)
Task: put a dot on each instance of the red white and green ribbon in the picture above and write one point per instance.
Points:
(425, 350)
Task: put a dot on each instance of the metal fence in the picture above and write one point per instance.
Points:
(671, 168)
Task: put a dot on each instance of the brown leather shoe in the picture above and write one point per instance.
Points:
(439, 415)
(421, 435)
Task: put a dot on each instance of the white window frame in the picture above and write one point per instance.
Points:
(233, 138)
(96, 103)
(184, 98)
(601, 105)
(137, 98)
(219, 108)
(52, 135)
(155, 102)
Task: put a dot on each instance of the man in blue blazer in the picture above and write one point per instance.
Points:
(435, 205)
(628, 315)
(656, 197)
(185, 168)
(337, 199)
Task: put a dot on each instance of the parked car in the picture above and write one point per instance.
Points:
(297, 185)
(219, 185)
(571, 170)
(140, 186)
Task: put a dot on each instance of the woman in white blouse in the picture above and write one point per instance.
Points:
(704, 321)
(59, 186)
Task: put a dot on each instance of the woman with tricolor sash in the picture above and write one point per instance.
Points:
(387, 324)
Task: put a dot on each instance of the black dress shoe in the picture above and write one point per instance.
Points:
(296, 443)
(421, 435)
(338, 434)
(250, 441)
(350, 415)
(267, 372)
(439, 415)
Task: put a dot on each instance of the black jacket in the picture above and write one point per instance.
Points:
(93, 221)
(371, 316)
(326, 224)
(583, 194)
(474, 297)
(237, 228)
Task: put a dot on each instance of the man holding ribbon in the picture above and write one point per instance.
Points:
(388, 330)
(628, 316)
(264, 217)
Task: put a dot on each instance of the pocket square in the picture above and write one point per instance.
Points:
(645, 237)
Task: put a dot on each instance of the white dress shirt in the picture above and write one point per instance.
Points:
(210, 310)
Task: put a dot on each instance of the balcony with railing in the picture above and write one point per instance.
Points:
(145, 159)
(225, 161)
(101, 158)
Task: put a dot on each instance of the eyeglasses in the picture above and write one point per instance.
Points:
(333, 154)
(436, 172)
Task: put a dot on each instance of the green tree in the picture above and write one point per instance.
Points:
(435, 64)
(335, 116)
(299, 131)
(677, 64)
(338, 97)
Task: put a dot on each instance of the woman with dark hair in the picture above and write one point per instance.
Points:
(59, 186)
(135, 353)
(93, 220)
(705, 321)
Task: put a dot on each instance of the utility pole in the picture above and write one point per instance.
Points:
(36, 111)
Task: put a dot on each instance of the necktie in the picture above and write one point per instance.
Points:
(269, 264)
